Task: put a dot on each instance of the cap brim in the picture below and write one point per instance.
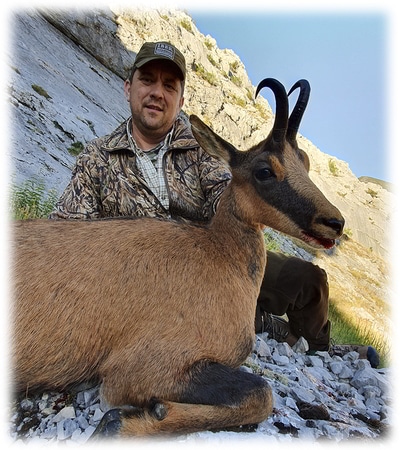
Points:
(144, 61)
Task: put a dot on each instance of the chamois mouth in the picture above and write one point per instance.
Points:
(317, 241)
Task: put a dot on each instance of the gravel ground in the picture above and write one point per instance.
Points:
(316, 398)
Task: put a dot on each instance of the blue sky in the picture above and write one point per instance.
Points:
(342, 54)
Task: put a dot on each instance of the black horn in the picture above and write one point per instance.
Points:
(299, 108)
(282, 107)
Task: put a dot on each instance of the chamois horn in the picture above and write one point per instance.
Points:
(282, 107)
(299, 108)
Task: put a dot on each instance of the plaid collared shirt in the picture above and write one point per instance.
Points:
(151, 165)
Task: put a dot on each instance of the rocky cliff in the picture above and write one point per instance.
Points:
(66, 88)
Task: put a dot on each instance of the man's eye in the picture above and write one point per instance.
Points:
(145, 80)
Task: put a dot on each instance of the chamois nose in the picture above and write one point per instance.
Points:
(336, 225)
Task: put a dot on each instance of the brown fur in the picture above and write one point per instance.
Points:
(150, 308)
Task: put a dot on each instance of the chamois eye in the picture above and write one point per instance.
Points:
(263, 174)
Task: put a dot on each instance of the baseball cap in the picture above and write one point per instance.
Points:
(151, 51)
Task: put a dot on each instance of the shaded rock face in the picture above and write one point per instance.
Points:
(96, 32)
(60, 96)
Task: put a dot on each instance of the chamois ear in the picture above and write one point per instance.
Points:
(213, 144)
(305, 159)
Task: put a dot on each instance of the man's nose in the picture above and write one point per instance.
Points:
(156, 89)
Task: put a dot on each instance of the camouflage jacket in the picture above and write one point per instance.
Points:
(107, 183)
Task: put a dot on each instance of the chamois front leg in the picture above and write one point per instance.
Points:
(217, 397)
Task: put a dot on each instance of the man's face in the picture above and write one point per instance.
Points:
(155, 97)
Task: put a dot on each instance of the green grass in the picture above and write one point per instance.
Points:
(344, 331)
(31, 201)
(271, 244)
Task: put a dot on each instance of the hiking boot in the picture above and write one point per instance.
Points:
(277, 328)
(364, 351)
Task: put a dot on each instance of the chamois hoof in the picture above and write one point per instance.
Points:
(159, 411)
(110, 424)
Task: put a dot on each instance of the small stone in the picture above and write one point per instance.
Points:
(346, 372)
(303, 395)
(70, 426)
(284, 349)
(280, 360)
(351, 356)
(370, 392)
(290, 403)
(76, 436)
(321, 374)
(363, 364)
(26, 404)
(325, 356)
(369, 377)
(301, 346)
(88, 432)
(98, 414)
(82, 422)
(336, 367)
(50, 432)
(315, 361)
(68, 412)
(372, 404)
(262, 349)
(357, 404)
(91, 396)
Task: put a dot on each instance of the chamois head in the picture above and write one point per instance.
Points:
(271, 182)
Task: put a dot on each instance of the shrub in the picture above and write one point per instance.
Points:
(236, 80)
(185, 23)
(208, 44)
(333, 167)
(207, 76)
(31, 201)
(372, 193)
(41, 91)
(239, 101)
(234, 66)
(75, 148)
(212, 60)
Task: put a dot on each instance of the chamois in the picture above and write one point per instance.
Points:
(162, 313)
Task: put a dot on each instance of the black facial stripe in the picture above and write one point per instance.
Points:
(299, 208)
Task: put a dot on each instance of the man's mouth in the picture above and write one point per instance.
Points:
(154, 107)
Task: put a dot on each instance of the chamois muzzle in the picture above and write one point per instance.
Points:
(314, 219)
(336, 225)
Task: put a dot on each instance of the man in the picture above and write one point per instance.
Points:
(151, 165)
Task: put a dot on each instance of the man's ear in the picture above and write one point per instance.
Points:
(127, 90)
